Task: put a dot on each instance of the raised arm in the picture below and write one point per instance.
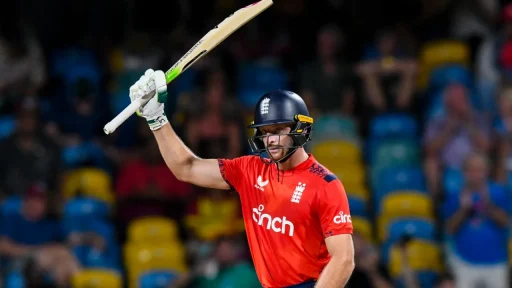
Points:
(183, 163)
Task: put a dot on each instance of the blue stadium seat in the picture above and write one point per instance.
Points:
(261, 77)
(14, 280)
(398, 178)
(395, 124)
(86, 207)
(447, 74)
(249, 97)
(11, 205)
(453, 179)
(418, 228)
(7, 125)
(357, 206)
(156, 279)
(74, 156)
(335, 126)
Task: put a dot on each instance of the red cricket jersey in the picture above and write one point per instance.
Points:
(288, 216)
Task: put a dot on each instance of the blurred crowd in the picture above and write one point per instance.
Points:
(412, 102)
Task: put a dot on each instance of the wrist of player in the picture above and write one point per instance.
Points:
(156, 118)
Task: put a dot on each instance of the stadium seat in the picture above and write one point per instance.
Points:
(13, 279)
(7, 126)
(140, 259)
(152, 229)
(364, 227)
(11, 205)
(262, 77)
(438, 53)
(96, 278)
(447, 74)
(402, 204)
(453, 179)
(337, 151)
(90, 182)
(215, 218)
(398, 178)
(357, 190)
(391, 125)
(358, 206)
(415, 227)
(156, 279)
(86, 207)
(335, 126)
(350, 175)
(396, 152)
(421, 256)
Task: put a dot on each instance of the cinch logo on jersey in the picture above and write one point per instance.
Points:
(342, 218)
(275, 224)
(261, 183)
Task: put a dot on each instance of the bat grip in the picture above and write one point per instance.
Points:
(111, 126)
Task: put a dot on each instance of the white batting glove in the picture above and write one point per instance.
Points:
(152, 86)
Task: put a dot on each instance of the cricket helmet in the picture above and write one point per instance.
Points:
(281, 107)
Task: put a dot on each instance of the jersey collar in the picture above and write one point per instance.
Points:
(299, 168)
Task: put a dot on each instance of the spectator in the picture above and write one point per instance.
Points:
(453, 135)
(327, 84)
(476, 222)
(503, 130)
(22, 69)
(212, 127)
(388, 75)
(35, 235)
(80, 121)
(369, 271)
(28, 155)
(225, 269)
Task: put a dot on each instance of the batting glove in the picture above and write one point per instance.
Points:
(152, 86)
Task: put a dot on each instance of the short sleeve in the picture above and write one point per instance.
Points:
(232, 171)
(333, 210)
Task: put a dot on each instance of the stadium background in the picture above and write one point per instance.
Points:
(379, 76)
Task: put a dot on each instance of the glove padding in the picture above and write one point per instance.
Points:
(152, 86)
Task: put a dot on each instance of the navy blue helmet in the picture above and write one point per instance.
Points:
(281, 107)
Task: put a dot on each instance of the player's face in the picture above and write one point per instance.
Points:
(276, 139)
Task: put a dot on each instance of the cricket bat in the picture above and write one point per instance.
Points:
(209, 41)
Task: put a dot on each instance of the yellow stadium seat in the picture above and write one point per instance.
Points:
(510, 251)
(357, 190)
(97, 278)
(363, 227)
(91, 182)
(437, 53)
(215, 218)
(403, 205)
(350, 174)
(342, 152)
(152, 229)
(407, 204)
(421, 256)
(140, 259)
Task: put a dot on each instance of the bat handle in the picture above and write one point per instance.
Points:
(111, 126)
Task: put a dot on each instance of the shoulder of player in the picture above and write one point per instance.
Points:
(322, 174)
